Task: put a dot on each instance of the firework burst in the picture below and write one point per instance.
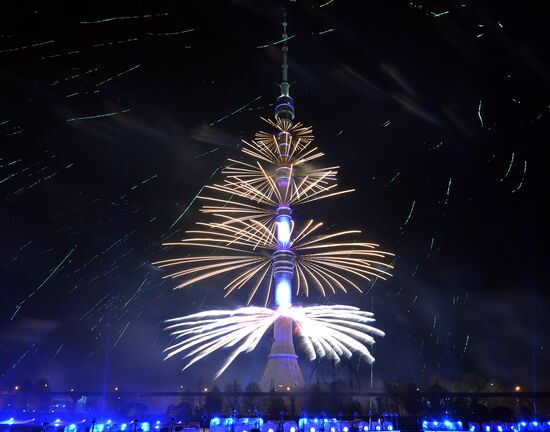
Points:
(324, 331)
(329, 262)
(251, 240)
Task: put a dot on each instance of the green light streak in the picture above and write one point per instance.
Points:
(479, 113)
(375, 279)
(117, 75)
(187, 208)
(395, 176)
(410, 213)
(509, 168)
(448, 190)
(326, 31)
(522, 177)
(104, 20)
(60, 55)
(136, 292)
(21, 303)
(98, 116)
(25, 245)
(93, 307)
(386, 123)
(172, 33)
(8, 177)
(206, 153)
(13, 366)
(431, 247)
(415, 270)
(149, 179)
(235, 111)
(466, 343)
(435, 14)
(121, 334)
(275, 43)
(114, 43)
(17, 132)
(326, 3)
(142, 182)
(26, 46)
(55, 355)
(436, 147)
(193, 200)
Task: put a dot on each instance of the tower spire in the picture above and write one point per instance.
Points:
(284, 66)
(284, 109)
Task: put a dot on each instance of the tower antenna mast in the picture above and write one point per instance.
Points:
(284, 109)
(285, 56)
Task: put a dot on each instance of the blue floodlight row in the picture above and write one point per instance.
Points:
(521, 426)
(91, 425)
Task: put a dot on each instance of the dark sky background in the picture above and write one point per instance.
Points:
(436, 106)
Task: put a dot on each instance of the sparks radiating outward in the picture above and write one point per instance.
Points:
(329, 262)
(246, 230)
(250, 184)
(324, 331)
(251, 240)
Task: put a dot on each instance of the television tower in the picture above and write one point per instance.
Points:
(282, 372)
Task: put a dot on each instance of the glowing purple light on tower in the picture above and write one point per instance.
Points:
(284, 230)
(283, 294)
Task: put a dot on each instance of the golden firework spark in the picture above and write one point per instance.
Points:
(329, 261)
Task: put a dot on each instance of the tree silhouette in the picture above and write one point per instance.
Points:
(182, 411)
(502, 413)
(276, 405)
(251, 404)
(44, 395)
(134, 410)
(411, 399)
(213, 402)
(233, 399)
(335, 401)
(314, 401)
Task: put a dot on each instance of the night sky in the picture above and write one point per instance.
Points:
(435, 111)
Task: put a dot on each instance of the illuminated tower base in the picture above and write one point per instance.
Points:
(282, 372)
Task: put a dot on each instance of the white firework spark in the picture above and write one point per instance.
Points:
(324, 331)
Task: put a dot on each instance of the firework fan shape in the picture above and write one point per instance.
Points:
(328, 262)
(324, 331)
(252, 241)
